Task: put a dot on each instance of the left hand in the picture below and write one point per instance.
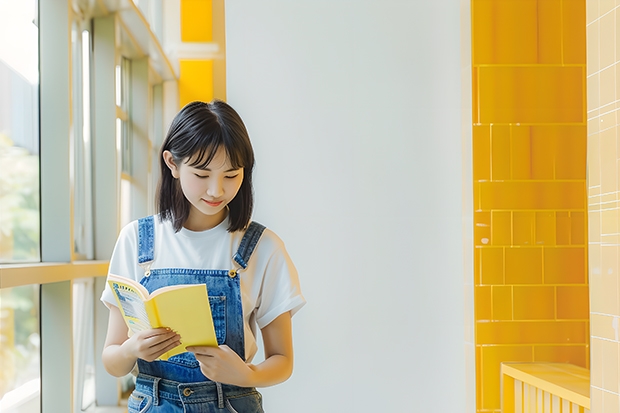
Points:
(222, 364)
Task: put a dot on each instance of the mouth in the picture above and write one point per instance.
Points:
(212, 203)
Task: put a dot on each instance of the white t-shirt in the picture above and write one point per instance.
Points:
(269, 285)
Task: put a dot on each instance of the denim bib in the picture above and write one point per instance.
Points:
(224, 298)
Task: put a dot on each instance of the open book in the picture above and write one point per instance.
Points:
(183, 308)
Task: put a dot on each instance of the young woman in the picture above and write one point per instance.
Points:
(203, 234)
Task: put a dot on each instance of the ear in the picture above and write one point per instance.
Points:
(169, 159)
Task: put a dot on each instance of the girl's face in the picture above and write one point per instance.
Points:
(208, 190)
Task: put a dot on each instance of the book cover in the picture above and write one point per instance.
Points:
(183, 308)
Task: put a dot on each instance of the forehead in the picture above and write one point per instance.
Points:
(210, 159)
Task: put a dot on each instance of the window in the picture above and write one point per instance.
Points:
(82, 164)
(19, 133)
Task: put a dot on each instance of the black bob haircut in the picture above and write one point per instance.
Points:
(195, 135)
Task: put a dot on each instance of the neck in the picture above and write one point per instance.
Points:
(197, 221)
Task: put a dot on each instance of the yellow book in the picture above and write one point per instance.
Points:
(183, 308)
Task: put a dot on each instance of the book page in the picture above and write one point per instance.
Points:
(131, 305)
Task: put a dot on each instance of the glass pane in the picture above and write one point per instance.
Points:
(19, 133)
(83, 346)
(82, 174)
(19, 350)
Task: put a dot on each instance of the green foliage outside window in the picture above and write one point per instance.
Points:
(19, 203)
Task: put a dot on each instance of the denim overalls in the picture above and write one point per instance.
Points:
(178, 385)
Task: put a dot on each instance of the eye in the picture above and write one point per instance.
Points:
(202, 176)
(232, 176)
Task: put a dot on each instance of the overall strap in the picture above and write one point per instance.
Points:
(146, 240)
(248, 243)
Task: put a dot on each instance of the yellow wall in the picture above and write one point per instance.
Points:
(529, 156)
(603, 189)
(196, 75)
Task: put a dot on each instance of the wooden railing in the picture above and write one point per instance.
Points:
(545, 388)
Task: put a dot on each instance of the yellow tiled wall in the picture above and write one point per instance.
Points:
(603, 18)
(529, 137)
(196, 75)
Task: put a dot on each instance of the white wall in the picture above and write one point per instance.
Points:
(354, 109)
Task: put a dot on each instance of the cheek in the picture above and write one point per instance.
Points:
(233, 187)
(193, 186)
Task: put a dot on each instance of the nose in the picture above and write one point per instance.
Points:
(215, 188)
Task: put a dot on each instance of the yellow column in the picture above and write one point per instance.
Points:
(529, 149)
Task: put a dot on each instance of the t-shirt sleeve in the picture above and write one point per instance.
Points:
(281, 291)
(124, 260)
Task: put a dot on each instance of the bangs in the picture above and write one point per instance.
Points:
(202, 156)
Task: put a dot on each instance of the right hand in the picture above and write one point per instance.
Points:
(148, 345)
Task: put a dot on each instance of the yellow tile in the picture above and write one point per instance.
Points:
(570, 160)
(522, 195)
(195, 81)
(532, 332)
(481, 152)
(506, 89)
(576, 355)
(549, 32)
(602, 326)
(607, 36)
(596, 362)
(592, 36)
(477, 271)
(523, 265)
(491, 358)
(479, 382)
(573, 302)
(521, 152)
(502, 302)
(563, 228)
(482, 228)
(564, 265)
(578, 228)
(534, 302)
(500, 153)
(492, 266)
(196, 20)
(483, 302)
(544, 148)
(545, 228)
(523, 228)
(501, 225)
(573, 30)
(511, 39)
(607, 91)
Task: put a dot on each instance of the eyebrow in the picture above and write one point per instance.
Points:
(226, 171)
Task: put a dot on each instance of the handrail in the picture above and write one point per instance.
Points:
(17, 275)
(568, 382)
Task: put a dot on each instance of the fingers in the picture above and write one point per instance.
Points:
(153, 343)
(203, 350)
